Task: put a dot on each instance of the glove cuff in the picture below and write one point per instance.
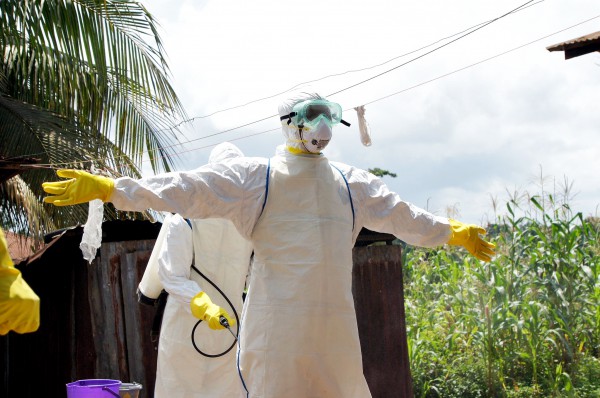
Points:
(200, 304)
(459, 232)
(108, 186)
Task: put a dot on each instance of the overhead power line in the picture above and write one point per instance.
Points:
(469, 30)
(431, 51)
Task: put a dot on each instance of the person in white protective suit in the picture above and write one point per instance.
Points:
(218, 251)
(303, 213)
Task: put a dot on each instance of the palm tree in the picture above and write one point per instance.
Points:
(83, 84)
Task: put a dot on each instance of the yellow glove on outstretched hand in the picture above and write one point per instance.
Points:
(467, 235)
(203, 308)
(80, 188)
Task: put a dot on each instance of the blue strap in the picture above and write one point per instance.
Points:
(187, 220)
(237, 361)
(349, 194)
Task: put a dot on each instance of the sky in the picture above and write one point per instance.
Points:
(468, 115)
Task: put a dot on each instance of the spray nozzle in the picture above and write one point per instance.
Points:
(223, 321)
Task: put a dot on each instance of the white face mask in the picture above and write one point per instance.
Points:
(315, 139)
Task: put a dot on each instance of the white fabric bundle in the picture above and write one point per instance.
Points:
(92, 230)
(363, 126)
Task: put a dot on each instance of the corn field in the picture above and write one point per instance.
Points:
(526, 324)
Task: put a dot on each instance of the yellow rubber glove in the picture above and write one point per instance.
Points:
(468, 236)
(19, 305)
(203, 308)
(80, 188)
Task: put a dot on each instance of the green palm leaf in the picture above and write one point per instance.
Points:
(83, 83)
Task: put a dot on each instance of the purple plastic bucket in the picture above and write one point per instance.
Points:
(93, 388)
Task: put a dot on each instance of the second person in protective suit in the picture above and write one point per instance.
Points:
(302, 213)
(219, 252)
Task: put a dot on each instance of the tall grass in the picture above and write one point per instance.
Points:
(525, 325)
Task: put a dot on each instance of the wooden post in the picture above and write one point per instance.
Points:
(377, 286)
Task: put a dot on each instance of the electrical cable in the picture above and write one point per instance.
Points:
(469, 31)
(56, 165)
(398, 92)
(429, 52)
(348, 71)
(479, 62)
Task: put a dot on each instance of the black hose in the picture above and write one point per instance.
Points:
(237, 319)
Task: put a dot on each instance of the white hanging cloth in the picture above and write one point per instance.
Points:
(363, 126)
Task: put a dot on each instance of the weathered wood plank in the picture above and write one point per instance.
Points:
(140, 352)
(106, 305)
(379, 302)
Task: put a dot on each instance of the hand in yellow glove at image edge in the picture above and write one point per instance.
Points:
(19, 305)
(468, 236)
(203, 308)
(81, 187)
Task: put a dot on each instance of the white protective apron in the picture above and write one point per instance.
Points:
(223, 256)
(300, 339)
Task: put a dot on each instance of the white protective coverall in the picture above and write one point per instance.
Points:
(299, 335)
(223, 255)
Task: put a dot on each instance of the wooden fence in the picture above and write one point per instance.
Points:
(93, 327)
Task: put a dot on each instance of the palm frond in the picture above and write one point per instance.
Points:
(55, 143)
(22, 212)
(89, 60)
(83, 84)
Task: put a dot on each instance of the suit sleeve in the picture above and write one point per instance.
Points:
(175, 260)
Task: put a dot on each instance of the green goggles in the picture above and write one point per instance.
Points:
(311, 112)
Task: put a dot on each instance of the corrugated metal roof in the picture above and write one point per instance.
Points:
(19, 247)
(590, 42)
